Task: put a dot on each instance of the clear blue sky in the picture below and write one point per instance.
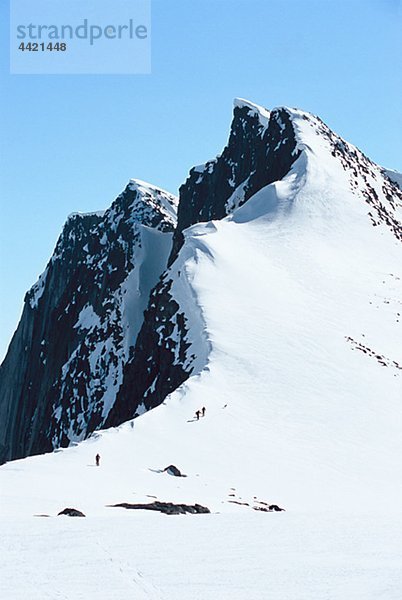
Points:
(70, 143)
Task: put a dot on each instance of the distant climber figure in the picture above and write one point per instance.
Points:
(197, 414)
(203, 411)
(97, 460)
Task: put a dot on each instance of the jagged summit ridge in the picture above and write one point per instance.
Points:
(154, 197)
(253, 109)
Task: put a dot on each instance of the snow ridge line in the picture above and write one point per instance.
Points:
(187, 297)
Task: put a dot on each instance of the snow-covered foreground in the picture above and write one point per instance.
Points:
(207, 557)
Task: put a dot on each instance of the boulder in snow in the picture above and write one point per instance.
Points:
(172, 470)
(71, 512)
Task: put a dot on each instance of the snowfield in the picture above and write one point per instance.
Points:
(299, 298)
(280, 556)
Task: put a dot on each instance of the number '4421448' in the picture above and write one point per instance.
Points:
(42, 47)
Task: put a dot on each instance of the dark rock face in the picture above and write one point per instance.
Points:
(80, 320)
(168, 508)
(161, 360)
(261, 149)
(71, 512)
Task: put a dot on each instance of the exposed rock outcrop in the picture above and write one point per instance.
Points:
(167, 508)
(172, 470)
(71, 512)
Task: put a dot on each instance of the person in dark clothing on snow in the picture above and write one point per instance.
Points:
(197, 414)
(203, 411)
(97, 460)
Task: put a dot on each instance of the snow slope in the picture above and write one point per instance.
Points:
(299, 290)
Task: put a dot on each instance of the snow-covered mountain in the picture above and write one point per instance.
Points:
(275, 303)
